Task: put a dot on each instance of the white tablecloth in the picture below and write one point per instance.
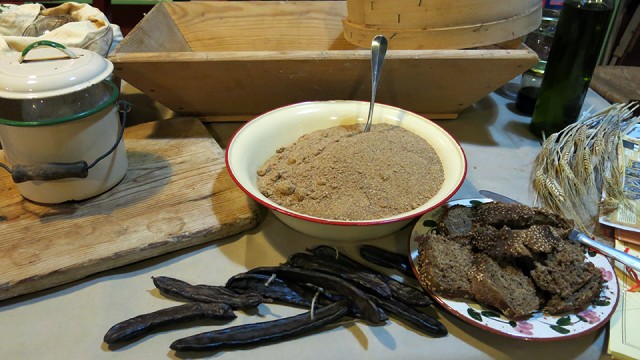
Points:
(69, 322)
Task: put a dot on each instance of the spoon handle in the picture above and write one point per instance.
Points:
(378, 52)
(627, 259)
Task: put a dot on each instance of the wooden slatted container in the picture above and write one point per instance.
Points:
(440, 24)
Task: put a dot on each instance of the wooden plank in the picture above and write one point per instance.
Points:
(162, 35)
(177, 193)
(222, 26)
(442, 82)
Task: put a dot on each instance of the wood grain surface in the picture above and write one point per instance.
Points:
(440, 24)
(177, 193)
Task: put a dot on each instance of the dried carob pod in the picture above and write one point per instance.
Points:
(365, 306)
(263, 332)
(206, 293)
(327, 282)
(275, 289)
(408, 294)
(145, 323)
(387, 259)
(365, 279)
(420, 321)
(402, 292)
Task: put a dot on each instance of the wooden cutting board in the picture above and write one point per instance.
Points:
(177, 193)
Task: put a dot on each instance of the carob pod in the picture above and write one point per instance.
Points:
(275, 289)
(421, 321)
(263, 332)
(387, 259)
(365, 306)
(205, 293)
(329, 295)
(402, 292)
(408, 294)
(365, 279)
(145, 323)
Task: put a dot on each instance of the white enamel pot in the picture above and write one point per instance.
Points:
(61, 125)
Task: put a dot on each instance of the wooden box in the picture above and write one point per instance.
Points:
(233, 60)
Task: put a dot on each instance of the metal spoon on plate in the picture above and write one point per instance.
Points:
(378, 51)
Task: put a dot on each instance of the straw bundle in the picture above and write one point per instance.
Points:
(578, 172)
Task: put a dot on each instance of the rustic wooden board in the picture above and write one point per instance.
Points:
(177, 193)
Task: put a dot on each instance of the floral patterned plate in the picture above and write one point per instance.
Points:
(539, 327)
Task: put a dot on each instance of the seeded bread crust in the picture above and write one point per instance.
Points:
(539, 239)
(560, 225)
(498, 215)
(519, 216)
(499, 244)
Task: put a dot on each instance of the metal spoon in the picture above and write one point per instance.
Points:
(378, 51)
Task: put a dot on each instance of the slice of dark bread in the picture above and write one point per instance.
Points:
(444, 265)
(564, 271)
(519, 216)
(456, 220)
(514, 258)
(503, 287)
(579, 299)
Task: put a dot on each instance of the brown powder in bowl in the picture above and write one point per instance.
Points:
(342, 173)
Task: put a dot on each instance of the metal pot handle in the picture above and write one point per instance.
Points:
(56, 171)
(49, 43)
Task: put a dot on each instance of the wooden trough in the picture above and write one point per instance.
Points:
(233, 60)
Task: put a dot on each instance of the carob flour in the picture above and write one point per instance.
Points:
(343, 173)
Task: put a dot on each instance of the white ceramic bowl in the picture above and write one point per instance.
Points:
(258, 140)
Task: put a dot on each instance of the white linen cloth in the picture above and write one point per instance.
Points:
(90, 29)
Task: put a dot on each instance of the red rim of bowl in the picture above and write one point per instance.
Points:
(342, 222)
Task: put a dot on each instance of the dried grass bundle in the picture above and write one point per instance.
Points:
(577, 172)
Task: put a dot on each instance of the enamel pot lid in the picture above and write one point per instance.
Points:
(46, 68)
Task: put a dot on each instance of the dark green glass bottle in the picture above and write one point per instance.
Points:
(581, 32)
